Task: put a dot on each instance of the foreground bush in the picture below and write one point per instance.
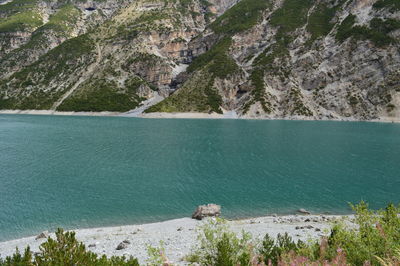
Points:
(217, 245)
(373, 239)
(65, 250)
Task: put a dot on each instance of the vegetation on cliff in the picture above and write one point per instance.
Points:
(215, 63)
(258, 58)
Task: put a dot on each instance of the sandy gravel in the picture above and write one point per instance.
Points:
(226, 115)
(50, 112)
(179, 235)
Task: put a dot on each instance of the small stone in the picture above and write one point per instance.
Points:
(309, 227)
(179, 229)
(317, 230)
(126, 241)
(44, 234)
(307, 220)
(274, 215)
(303, 211)
(92, 245)
(122, 245)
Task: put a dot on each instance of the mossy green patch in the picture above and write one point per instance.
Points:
(393, 5)
(298, 107)
(57, 61)
(64, 18)
(292, 15)
(29, 84)
(26, 20)
(377, 31)
(345, 28)
(217, 60)
(197, 95)
(243, 16)
(320, 20)
(17, 6)
(102, 95)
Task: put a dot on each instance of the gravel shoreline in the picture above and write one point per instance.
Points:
(226, 115)
(179, 235)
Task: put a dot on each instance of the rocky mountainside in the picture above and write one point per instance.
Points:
(320, 59)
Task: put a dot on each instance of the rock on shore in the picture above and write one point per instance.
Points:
(209, 210)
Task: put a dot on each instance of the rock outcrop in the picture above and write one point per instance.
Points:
(303, 211)
(44, 234)
(209, 210)
(260, 59)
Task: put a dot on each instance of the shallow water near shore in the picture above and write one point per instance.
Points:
(75, 172)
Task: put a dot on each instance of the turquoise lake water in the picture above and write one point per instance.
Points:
(75, 172)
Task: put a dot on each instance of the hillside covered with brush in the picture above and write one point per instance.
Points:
(320, 59)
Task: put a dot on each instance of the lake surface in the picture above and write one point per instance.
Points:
(75, 172)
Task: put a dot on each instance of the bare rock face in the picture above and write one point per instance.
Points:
(209, 210)
(334, 73)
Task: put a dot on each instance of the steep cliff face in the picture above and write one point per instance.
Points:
(279, 58)
(112, 66)
(300, 59)
(30, 28)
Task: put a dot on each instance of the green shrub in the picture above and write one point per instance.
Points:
(103, 95)
(156, 255)
(393, 5)
(292, 15)
(319, 22)
(64, 250)
(378, 234)
(219, 246)
(344, 29)
(197, 95)
(271, 250)
(21, 21)
(217, 60)
(377, 31)
(19, 260)
(240, 17)
(375, 237)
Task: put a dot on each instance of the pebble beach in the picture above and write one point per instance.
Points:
(179, 236)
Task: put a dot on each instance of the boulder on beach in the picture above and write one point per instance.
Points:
(122, 245)
(209, 210)
(303, 211)
(44, 234)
